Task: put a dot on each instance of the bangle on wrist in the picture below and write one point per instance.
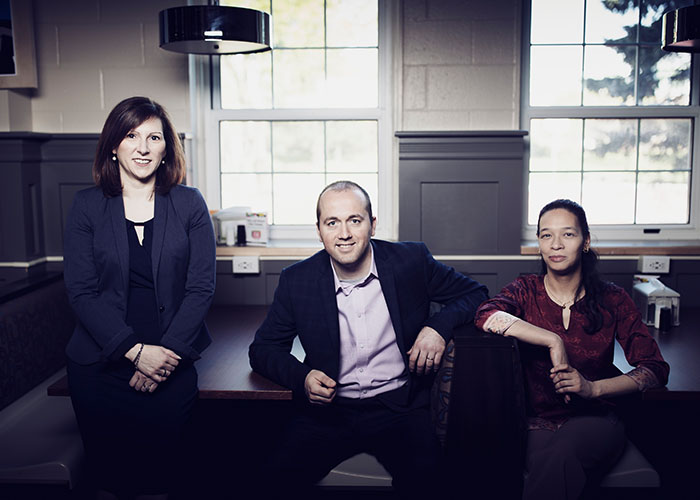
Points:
(138, 357)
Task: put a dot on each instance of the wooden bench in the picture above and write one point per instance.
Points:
(40, 440)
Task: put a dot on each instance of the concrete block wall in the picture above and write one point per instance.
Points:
(458, 68)
(461, 65)
(91, 54)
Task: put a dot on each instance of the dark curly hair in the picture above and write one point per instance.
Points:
(590, 279)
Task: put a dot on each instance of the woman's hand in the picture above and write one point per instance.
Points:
(557, 351)
(156, 362)
(567, 380)
(142, 383)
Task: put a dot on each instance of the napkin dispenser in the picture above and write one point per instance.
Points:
(658, 304)
(226, 222)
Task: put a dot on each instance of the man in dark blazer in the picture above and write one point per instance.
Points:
(361, 309)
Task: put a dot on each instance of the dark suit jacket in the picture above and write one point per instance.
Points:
(96, 271)
(305, 305)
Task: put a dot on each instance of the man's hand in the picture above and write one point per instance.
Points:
(426, 353)
(319, 387)
(567, 380)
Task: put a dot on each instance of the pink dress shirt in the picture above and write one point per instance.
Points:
(370, 360)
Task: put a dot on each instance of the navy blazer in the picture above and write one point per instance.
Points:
(96, 272)
(305, 305)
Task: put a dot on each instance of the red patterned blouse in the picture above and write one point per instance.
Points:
(592, 355)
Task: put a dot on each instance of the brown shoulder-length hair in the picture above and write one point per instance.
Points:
(125, 117)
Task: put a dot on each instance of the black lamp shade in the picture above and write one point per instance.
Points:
(681, 30)
(213, 29)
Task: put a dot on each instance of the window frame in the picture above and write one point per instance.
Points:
(611, 233)
(207, 113)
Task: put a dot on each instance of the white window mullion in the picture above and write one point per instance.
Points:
(691, 112)
(209, 104)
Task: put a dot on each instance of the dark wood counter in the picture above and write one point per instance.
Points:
(680, 347)
(224, 371)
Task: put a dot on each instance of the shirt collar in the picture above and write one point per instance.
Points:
(347, 287)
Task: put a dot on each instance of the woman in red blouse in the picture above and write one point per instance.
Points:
(567, 320)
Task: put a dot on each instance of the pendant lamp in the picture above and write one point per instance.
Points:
(214, 29)
(681, 30)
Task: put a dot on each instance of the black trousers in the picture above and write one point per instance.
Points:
(561, 463)
(132, 440)
(320, 437)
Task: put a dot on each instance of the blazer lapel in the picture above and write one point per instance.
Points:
(330, 305)
(160, 214)
(116, 210)
(388, 284)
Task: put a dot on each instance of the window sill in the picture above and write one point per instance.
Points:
(306, 248)
(647, 248)
(285, 248)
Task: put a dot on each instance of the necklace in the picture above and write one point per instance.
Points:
(564, 304)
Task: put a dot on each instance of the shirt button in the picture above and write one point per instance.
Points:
(364, 392)
(161, 308)
(361, 370)
(362, 346)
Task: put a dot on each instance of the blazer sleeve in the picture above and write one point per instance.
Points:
(96, 310)
(270, 353)
(200, 282)
(458, 294)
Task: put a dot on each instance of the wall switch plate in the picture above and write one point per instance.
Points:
(654, 264)
(246, 264)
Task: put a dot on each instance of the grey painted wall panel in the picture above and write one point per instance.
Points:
(470, 169)
(19, 200)
(484, 171)
(449, 224)
(40, 173)
(59, 183)
(271, 282)
(495, 274)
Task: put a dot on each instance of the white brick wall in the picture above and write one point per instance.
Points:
(461, 65)
(93, 53)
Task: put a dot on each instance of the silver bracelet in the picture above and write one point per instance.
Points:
(138, 357)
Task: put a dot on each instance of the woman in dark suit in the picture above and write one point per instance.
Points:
(139, 265)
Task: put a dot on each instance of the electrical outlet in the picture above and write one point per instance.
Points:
(246, 264)
(654, 264)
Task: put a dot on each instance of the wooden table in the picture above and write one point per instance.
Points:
(224, 370)
(680, 347)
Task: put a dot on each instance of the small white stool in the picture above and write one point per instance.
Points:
(362, 470)
(631, 471)
(40, 439)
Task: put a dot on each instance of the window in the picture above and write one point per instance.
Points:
(612, 118)
(286, 122)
